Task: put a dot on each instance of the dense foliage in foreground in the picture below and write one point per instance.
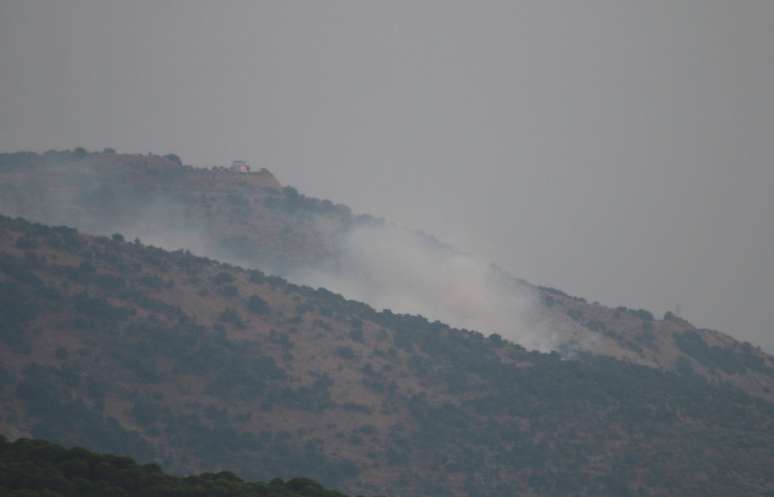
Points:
(36, 468)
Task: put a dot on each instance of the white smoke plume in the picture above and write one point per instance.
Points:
(381, 264)
(393, 268)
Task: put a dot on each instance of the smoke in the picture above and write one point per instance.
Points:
(390, 267)
(379, 263)
(305, 240)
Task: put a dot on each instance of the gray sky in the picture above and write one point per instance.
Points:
(619, 150)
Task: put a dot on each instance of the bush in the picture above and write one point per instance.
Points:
(231, 316)
(174, 158)
(345, 353)
(223, 278)
(258, 306)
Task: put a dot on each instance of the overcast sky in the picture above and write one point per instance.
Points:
(622, 151)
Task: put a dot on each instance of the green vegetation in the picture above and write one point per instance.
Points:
(174, 158)
(35, 468)
(257, 305)
(734, 361)
(643, 314)
(294, 202)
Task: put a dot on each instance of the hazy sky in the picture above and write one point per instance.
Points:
(619, 150)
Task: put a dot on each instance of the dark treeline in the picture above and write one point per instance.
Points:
(36, 468)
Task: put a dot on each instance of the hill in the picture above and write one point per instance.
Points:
(205, 366)
(252, 221)
(36, 468)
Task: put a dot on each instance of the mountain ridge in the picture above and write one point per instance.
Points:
(204, 366)
(229, 216)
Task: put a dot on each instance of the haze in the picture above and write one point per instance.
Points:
(620, 151)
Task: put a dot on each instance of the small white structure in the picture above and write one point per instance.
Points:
(240, 166)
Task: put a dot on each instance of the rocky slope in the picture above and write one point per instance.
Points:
(205, 366)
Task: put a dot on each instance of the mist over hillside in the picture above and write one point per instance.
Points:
(363, 258)
(393, 268)
(250, 219)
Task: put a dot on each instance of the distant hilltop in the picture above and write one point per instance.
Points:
(169, 165)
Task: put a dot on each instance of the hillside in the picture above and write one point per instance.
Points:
(35, 468)
(250, 220)
(204, 366)
(214, 212)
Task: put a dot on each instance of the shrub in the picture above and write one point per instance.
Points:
(356, 335)
(232, 317)
(229, 291)
(174, 158)
(345, 352)
(223, 278)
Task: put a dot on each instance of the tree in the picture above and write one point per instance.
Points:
(174, 158)
(257, 305)
(232, 317)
